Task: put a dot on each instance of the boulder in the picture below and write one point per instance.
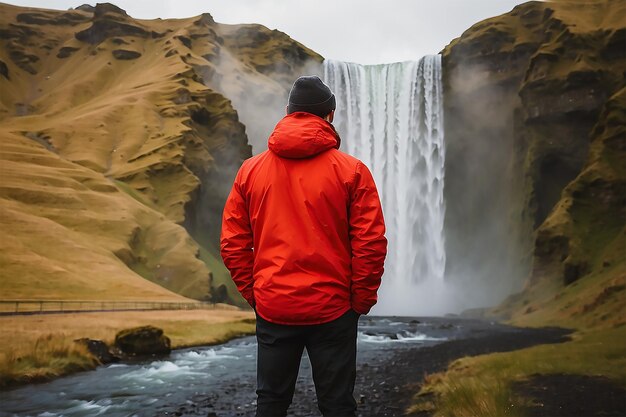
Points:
(142, 341)
(99, 350)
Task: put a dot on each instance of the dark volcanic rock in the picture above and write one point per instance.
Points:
(66, 51)
(125, 54)
(86, 8)
(102, 9)
(184, 40)
(142, 341)
(24, 60)
(4, 70)
(615, 48)
(119, 41)
(110, 21)
(22, 33)
(205, 20)
(590, 206)
(42, 18)
(99, 350)
(103, 29)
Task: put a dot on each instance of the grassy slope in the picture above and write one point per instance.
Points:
(579, 284)
(92, 118)
(104, 159)
(51, 211)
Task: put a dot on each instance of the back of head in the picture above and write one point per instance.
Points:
(309, 94)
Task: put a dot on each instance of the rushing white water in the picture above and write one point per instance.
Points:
(391, 118)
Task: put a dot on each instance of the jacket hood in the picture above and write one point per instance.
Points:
(302, 135)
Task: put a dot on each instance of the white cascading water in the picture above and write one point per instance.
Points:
(391, 118)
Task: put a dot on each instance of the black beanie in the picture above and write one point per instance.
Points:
(311, 95)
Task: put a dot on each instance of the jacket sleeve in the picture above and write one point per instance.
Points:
(367, 240)
(236, 242)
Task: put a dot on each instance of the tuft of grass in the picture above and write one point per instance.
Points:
(464, 399)
(51, 356)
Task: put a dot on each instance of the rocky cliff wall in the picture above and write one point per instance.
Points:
(533, 112)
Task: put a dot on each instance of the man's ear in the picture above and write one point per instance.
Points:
(331, 116)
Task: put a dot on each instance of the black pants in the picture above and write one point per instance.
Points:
(332, 352)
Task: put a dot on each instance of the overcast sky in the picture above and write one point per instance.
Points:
(363, 31)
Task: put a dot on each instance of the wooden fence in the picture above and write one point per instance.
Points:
(16, 307)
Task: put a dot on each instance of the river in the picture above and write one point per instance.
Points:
(220, 380)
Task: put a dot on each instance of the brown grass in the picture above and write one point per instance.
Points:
(64, 238)
(48, 357)
(41, 347)
(70, 230)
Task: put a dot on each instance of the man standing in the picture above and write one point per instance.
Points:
(303, 238)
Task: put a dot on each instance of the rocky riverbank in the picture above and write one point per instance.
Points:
(41, 348)
(387, 379)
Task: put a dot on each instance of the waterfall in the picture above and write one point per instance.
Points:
(391, 117)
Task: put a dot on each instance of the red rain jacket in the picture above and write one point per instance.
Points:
(303, 230)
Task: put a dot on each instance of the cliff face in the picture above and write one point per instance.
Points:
(121, 138)
(535, 134)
